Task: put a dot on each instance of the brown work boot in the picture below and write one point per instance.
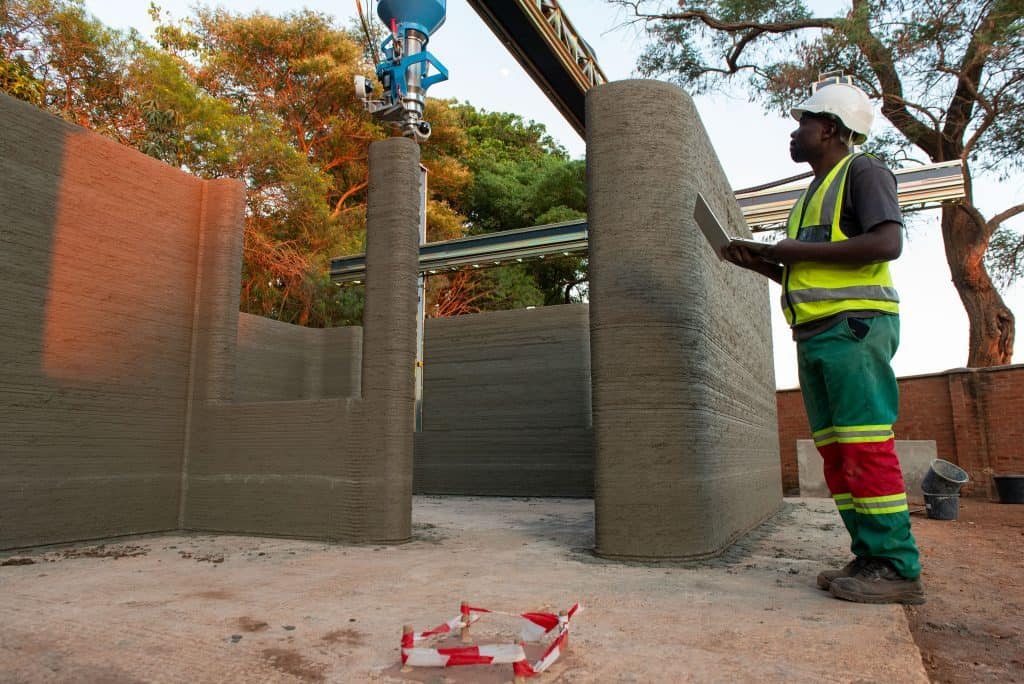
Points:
(878, 582)
(825, 577)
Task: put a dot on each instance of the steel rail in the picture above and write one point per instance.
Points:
(547, 45)
(919, 187)
(481, 251)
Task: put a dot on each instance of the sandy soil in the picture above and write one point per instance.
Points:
(972, 627)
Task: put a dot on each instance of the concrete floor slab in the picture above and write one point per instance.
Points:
(205, 608)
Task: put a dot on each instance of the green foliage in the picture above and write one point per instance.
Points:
(17, 80)
(268, 100)
(521, 178)
(563, 279)
(510, 287)
(509, 160)
(1005, 255)
(182, 124)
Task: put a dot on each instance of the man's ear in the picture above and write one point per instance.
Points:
(832, 128)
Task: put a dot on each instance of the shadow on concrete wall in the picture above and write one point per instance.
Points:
(283, 362)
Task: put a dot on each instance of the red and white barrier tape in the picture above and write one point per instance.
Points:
(538, 625)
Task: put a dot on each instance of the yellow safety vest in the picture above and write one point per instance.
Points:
(813, 290)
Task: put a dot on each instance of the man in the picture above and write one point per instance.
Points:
(838, 297)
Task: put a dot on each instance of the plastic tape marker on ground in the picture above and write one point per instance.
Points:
(538, 626)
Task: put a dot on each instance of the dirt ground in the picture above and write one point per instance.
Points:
(972, 627)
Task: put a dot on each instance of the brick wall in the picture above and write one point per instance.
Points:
(975, 416)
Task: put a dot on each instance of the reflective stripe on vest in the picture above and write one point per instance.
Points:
(814, 290)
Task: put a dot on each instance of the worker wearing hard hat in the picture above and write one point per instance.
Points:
(839, 299)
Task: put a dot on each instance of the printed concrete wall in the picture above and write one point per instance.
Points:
(282, 362)
(685, 433)
(97, 268)
(331, 468)
(507, 404)
(135, 398)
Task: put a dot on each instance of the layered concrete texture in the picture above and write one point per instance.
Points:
(915, 456)
(330, 467)
(281, 362)
(135, 398)
(685, 431)
(98, 251)
(506, 407)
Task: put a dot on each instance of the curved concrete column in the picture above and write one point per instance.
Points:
(389, 342)
(686, 448)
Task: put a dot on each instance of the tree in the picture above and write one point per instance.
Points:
(305, 158)
(301, 149)
(269, 100)
(521, 177)
(950, 78)
(57, 57)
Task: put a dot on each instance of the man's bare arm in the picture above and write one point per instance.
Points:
(882, 243)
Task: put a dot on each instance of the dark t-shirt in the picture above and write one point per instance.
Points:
(870, 199)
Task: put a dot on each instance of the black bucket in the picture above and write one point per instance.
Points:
(942, 506)
(1010, 488)
(943, 478)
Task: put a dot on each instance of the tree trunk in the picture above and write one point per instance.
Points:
(991, 322)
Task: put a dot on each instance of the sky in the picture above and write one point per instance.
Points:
(752, 146)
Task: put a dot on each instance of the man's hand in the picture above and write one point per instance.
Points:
(764, 264)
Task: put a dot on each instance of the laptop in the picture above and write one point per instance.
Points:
(716, 235)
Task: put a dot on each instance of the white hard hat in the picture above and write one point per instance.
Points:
(848, 103)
